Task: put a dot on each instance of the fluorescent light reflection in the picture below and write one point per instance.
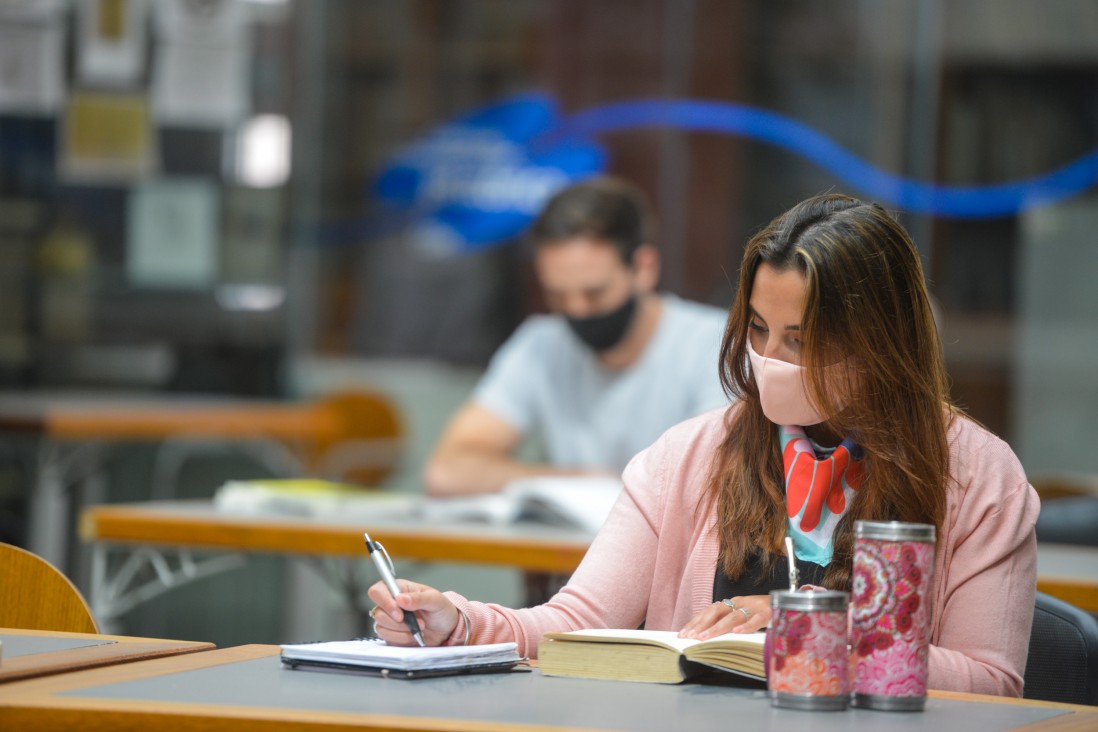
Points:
(263, 154)
(250, 298)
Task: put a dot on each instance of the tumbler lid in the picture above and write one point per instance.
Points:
(827, 600)
(893, 531)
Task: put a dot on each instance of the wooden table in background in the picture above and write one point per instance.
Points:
(1065, 571)
(73, 429)
(1069, 572)
(169, 532)
(198, 525)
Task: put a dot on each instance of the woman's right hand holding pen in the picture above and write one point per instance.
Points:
(437, 616)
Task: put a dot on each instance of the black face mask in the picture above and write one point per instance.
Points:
(603, 332)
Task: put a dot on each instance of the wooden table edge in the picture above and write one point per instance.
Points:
(1080, 593)
(94, 636)
(116, 650)
(129, 524)
(24, 702)
(289, 421)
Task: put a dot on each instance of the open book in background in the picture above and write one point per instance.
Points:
(579, 501)
(375, 657)
(582, 501)
(656, 656)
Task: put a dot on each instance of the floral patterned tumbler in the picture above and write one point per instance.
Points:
(808, 656)
(890, 609)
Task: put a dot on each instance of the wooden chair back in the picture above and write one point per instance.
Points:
(367, 442)
(35, 595)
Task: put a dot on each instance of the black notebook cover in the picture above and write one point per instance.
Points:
(392, 673)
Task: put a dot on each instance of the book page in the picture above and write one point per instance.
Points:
(494, 508)
(580, 501)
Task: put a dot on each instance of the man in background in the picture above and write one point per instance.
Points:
(600, 378)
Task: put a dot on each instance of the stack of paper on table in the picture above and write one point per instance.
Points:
(580, 501)
(649, 655)
(312, 498)
(375, 656)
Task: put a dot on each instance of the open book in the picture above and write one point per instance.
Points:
(578, 501)
(376, 657)
(649, 655)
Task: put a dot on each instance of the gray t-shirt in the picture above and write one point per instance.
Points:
(544, 381)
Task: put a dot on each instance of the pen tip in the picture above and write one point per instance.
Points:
(419, 639)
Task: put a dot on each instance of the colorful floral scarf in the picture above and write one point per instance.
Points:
(817, 490)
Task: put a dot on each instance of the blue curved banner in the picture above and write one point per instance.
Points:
(480, 179)
(796, 137)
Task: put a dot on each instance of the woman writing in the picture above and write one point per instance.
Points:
(842, 414)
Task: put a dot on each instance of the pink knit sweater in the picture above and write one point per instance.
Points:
(655, 559)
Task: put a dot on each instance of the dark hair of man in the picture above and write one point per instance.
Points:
(604, 208)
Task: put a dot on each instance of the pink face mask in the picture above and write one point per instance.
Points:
(782, 391)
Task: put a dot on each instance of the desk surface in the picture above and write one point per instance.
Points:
(29, 653)
(197, 524)
(245, 688)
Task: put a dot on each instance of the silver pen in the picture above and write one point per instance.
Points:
(384, 566)
(794, 579)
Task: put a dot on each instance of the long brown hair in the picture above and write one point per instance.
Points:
(866, 304)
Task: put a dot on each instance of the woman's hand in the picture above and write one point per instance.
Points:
(736, 615)
(437, 616)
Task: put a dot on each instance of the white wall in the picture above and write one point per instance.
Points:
(1056, 398)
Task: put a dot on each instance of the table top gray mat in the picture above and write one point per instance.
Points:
(26, 645)
(530, 698)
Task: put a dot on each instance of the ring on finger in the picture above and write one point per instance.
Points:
(745, 611)
(730, 602)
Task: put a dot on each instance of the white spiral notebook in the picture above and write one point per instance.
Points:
(377, 658)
